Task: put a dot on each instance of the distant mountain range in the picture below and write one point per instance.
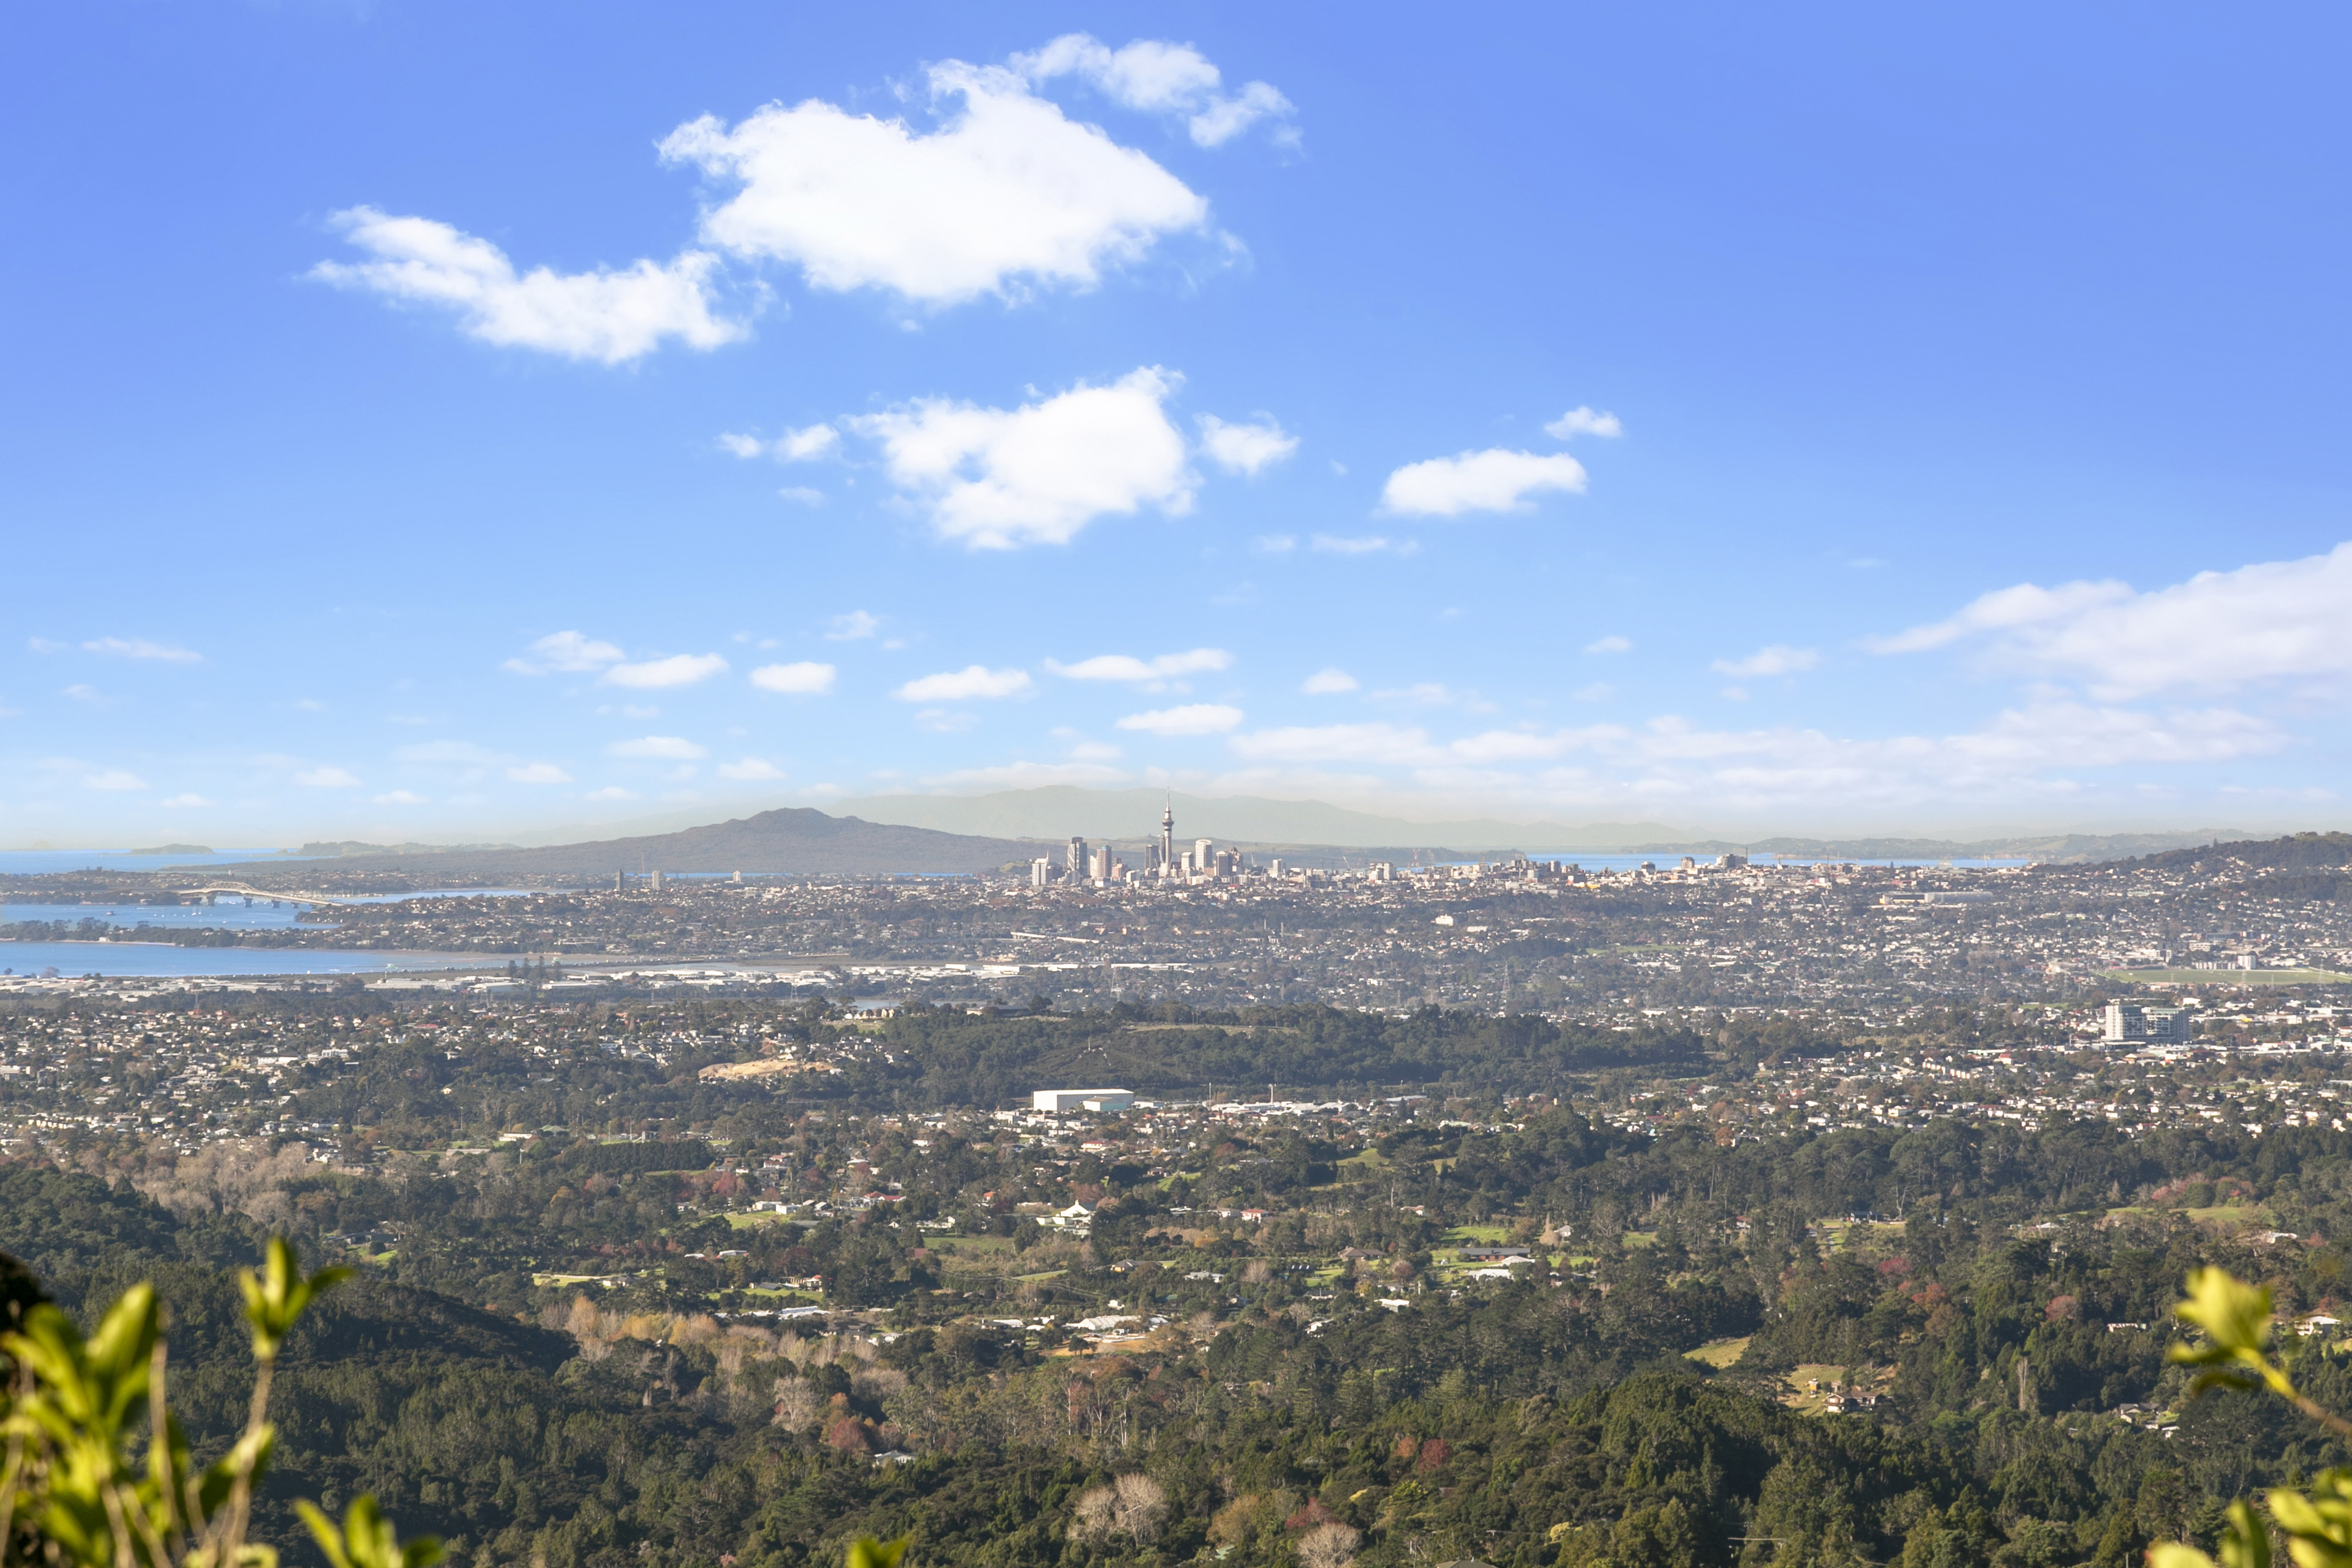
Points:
(786, 842)
(922, 833)
(1058, 811)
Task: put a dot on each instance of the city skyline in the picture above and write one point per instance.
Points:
(1811, 427)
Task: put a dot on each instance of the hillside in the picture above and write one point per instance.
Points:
(789, 841)
(2295, 852)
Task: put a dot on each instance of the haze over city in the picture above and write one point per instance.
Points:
(437, 423)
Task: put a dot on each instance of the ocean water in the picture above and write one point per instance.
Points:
(156, 960)
(226, 916)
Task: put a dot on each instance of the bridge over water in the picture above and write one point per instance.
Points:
(266, 895)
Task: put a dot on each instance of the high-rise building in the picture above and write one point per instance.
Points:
(1041, 871)
(1202, 850)
(1075, 860)
(656, 878)
(1099, 868)
(1168, 835)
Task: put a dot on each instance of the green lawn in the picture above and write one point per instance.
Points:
(950, 1245)
(1719, 1354)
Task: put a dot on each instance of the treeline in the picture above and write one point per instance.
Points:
(944, 1056)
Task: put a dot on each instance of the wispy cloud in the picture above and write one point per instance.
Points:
(803, 679)
(2270, 622)
(657, 674)
(1777, 659)
(1191, 718)
(1249, 448)
(1491, 480)
(658, 748)
(1585, 422)
(569, 651)
(972, 681)
(139, 647)
(610, 316)
(1161, 667)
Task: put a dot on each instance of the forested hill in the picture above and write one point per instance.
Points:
(2295, 852)
(2025, 1416)
(2301, 867)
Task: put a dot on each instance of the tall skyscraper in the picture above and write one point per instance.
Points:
(1077, 863)
(1168, 835)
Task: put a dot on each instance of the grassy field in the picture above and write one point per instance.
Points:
(2228, 976)
(1719, 1354)
(1480, 1235)
(965, 1246)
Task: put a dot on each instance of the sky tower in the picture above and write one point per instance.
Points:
(1168, 835)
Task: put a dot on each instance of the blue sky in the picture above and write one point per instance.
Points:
(429, 421)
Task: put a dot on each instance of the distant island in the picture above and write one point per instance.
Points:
(176, 849)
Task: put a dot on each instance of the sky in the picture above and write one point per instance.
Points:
(428, 421)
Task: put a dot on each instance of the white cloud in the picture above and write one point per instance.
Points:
(945, 722)
(113, 779)
(670, 748)
(139, 647)
(998, 478)
(326, 778)
(678, 670)
(1670, 760)
(1191, 718)
(568, 651)
(804, 679)
(2272, 621)
(1128, 667)
(1585, 422)
(1160, 77)
(1274, 544)
(1245, 448)
(807, 444)
(802, 445)
(1610, 644)
(179, 802)
(856, 623)
(1007, 193)
(964, 685)
(1777, 659)
(1493, 481)
(397, 797)
(1095, 752)
(804, 495)
(1594, 692)
(611, 316)
(611, 792)
(1372, 544)
(82, 691)
(750, 769)
(1327, 683)
(538, 774)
